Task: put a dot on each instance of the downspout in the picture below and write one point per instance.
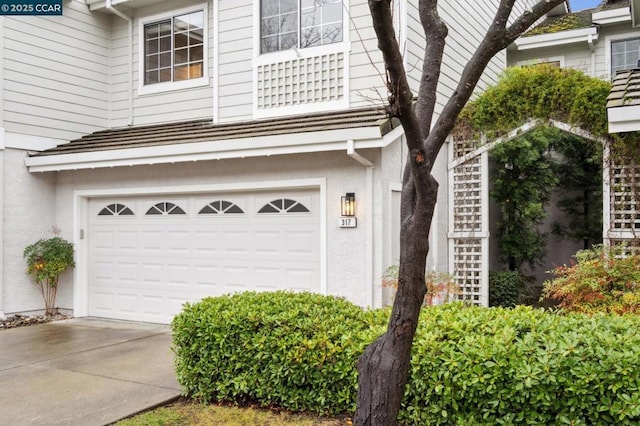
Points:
(351, 152)
(592, 48)
(130, 25)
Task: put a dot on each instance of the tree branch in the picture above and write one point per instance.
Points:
(435, 31)
(496, 39)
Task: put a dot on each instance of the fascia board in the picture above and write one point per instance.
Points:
(611, 16)
(296, 143)
(557, 39)
(624, 119)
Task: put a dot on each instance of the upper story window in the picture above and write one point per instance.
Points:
(286, 24)
(624, 54)
(174, 48)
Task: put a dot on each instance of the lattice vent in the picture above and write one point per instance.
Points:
(301, 81)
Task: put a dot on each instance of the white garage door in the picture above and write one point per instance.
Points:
(149, 255)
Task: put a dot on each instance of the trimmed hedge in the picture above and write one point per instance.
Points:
(470, 365)
(293, 350)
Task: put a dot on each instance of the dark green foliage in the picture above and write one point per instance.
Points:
(470, 365)
(505, 288)
(294, 350)
(478, 366)
(580, 176)
(522, 184)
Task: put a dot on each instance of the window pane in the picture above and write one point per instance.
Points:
(181, 23)
(269, 44)
(196, 20)
(288, 6)
(165, 60)
(181, 56)
(287, 41)
(151, 46)
(310, 37)
(181, 40)
(310, 18)
(151, 77)
(196, 70)
(181, 73)
(289, 22)
(269, 7)
(195, 36)
(195, 54)
(331, 33)
(332, 13)
(269, 26)
(151, 62)
(165, 28)
(165, 44)
(165, 74)
(150, 31)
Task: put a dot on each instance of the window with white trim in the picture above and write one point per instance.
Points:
(174, 48)
(286, 24)
(624, 54)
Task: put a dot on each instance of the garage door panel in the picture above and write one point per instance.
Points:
(145, 267)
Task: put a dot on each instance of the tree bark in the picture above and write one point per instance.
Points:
(384, 366)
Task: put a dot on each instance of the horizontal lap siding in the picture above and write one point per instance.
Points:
(56, 73)
(187, 104)
(235, 70)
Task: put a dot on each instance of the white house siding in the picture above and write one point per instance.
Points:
(346, 248)
(56, 73)
(29, 214)
(164, 106)
(366, 80)
(235, 55)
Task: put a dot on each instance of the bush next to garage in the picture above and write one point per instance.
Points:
(293, 350)
(470, 366)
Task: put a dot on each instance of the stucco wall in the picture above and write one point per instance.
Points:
(29, 213)
(346, 248)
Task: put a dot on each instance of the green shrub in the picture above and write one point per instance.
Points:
(470, 365)
(294, 350)
(478, 366)
(601, 280)
(505, 288)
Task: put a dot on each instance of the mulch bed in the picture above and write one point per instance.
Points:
(19, 320)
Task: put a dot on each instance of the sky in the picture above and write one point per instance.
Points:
(577, 5)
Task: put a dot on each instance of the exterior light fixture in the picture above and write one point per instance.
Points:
(348, 211)
(348, 204)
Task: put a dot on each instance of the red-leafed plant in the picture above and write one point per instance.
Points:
(602, 279)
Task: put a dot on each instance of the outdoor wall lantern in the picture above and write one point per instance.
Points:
(348, 211)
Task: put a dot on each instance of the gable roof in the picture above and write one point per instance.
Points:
(202, 139)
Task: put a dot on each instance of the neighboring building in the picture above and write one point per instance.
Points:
(193, 148)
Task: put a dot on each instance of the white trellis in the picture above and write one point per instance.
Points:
(469, 206)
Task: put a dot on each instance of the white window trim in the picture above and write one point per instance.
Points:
(173, 85)
(260, 59)
(608, 40)
(537, 61)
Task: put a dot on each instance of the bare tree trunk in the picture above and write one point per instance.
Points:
(383, 368)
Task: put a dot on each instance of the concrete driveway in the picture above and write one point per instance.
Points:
(84, 371)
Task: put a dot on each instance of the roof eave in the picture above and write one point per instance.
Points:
(295, 143)
(611, 16)
(588, 35)
(623, 119)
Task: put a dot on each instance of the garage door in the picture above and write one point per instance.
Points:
(149, 255)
